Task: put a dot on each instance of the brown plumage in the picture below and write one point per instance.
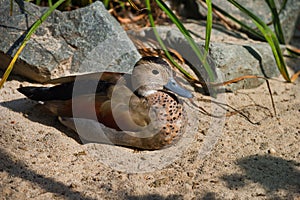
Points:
(141, 110)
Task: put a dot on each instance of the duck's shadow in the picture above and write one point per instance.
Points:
(37, 113)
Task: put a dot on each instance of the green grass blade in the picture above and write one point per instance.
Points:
(282, 6)
(32, 29)
(38, 2)
(270, 37)
(188, 37)
(50, 3)
(106, 3)
(11, 7)
(208, 24)
(244, 27)
(276, 21)
(161, 43)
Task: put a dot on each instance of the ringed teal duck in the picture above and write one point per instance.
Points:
(142, 110)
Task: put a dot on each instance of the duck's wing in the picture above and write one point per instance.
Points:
(114, 104)
(81, 86)
(104, 76)
(122, 110)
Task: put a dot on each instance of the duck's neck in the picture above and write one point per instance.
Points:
(148, 92)
(145, 91)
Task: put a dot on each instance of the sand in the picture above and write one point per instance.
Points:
(257, 157)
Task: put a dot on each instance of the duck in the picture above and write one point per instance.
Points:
(142, 110)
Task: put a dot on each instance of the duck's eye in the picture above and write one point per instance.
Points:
(155, 72)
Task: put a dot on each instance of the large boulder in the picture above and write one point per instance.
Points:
(84, 40)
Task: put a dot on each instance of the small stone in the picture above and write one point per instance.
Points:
(271, 151)
(73, 185)
(190, 174)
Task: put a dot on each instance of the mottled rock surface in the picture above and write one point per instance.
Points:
(288, 15)
(231, 56)
(85, 40)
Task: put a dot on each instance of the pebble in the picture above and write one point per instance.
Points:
(271, 151)
(190, 174)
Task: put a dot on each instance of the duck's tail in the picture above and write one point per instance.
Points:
(66, 91)
(34, 93)
(59, 92)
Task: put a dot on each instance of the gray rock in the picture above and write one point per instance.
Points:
(228, 61)
(235, 61)
(288, 15)
(82, 41)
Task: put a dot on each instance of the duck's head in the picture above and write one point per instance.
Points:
(152, 74)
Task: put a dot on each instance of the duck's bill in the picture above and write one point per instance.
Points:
(173, 86)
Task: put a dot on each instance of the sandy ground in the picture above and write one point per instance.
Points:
(41, 159)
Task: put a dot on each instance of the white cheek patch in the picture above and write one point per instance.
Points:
(148, 92)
